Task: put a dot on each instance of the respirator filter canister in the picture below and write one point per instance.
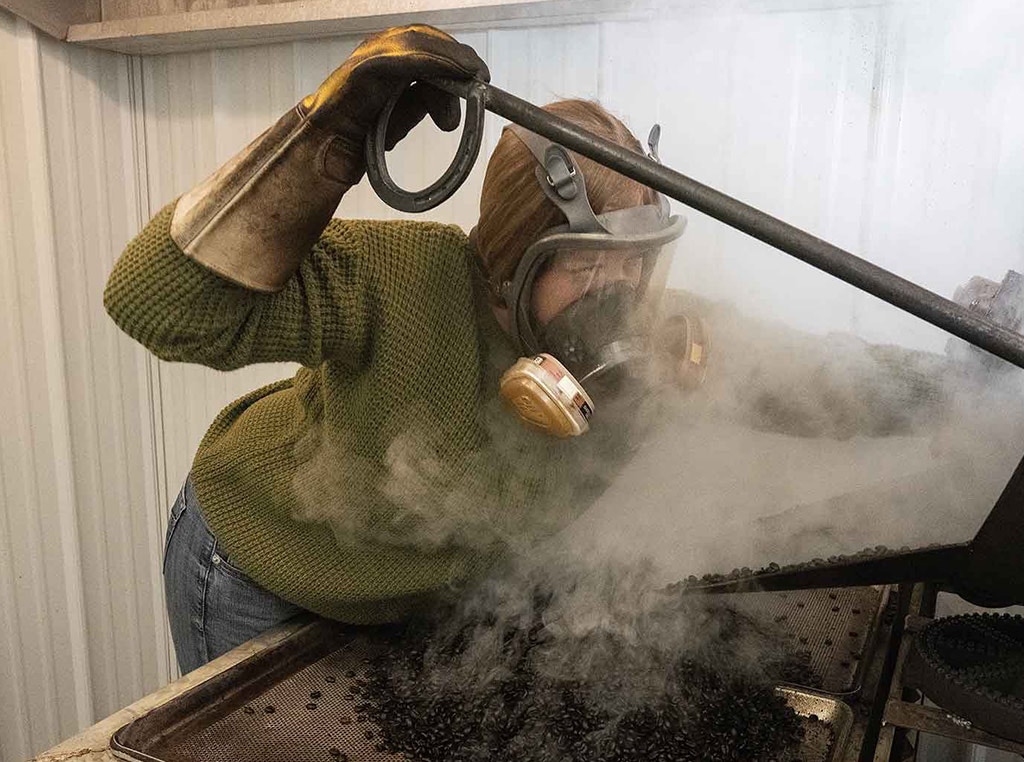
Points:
(546, 396)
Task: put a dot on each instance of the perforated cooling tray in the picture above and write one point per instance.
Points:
(837, 627)
(293, 702)
(264, 710)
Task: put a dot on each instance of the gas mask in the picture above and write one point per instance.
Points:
(583, 300)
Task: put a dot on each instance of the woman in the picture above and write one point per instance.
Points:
(385, 470)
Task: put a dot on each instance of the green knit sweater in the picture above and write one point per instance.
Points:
(385, 470)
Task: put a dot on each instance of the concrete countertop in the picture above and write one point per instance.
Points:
(93, 744)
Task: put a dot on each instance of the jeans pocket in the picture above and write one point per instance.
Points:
(223, 564)
(237, 609)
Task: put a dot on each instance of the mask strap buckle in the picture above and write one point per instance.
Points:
(561, 181)
(561, 173)
(653, 138)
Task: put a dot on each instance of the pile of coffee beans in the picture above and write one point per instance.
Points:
(472, 686)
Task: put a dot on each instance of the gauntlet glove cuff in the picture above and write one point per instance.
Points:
(256, 218)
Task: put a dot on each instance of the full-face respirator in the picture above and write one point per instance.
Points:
(583, 302)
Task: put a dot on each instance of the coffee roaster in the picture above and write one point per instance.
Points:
(974, 666)
(864, 620)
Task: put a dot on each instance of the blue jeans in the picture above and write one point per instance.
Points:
(212, 605)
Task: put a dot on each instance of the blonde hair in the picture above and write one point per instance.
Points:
(514, 211)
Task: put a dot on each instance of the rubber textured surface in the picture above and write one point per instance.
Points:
(973, 665)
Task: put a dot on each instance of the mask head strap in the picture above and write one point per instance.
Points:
(561, 180)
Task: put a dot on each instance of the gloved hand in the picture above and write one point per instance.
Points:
(256, 218)
(349, 101)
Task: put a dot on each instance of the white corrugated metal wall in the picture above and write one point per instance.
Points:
(891, 129)
(81, 624)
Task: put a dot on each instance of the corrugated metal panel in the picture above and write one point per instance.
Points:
(892, 131)
(44, 632)
(949, 185)
(83, 627)
(90, 141)
(773, 109)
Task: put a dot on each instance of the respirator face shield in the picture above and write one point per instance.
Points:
(583, 297)
(589, 299)
(582, 307)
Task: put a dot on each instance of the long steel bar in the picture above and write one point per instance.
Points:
(858, 272)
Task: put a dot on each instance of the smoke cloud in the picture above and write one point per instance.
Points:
(517, 487)
(804, 446)
(797, 447)
(800, 445)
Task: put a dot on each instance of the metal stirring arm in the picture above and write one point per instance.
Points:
(872, 567)
(860, 273)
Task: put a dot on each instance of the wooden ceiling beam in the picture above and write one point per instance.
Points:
(167, 26)
(302, 19)
(55, 17)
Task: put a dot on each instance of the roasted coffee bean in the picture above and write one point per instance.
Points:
(704, 702)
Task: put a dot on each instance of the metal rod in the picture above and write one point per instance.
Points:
(897, 291)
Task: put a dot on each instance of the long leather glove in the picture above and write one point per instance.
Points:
(255, 219)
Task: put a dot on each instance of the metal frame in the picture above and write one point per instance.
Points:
(903, 712)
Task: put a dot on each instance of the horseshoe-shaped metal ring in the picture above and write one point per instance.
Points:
(454, 176)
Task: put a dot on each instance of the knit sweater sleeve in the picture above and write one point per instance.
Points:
(182, 311)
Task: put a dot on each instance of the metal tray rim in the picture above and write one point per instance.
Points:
(841, 719)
